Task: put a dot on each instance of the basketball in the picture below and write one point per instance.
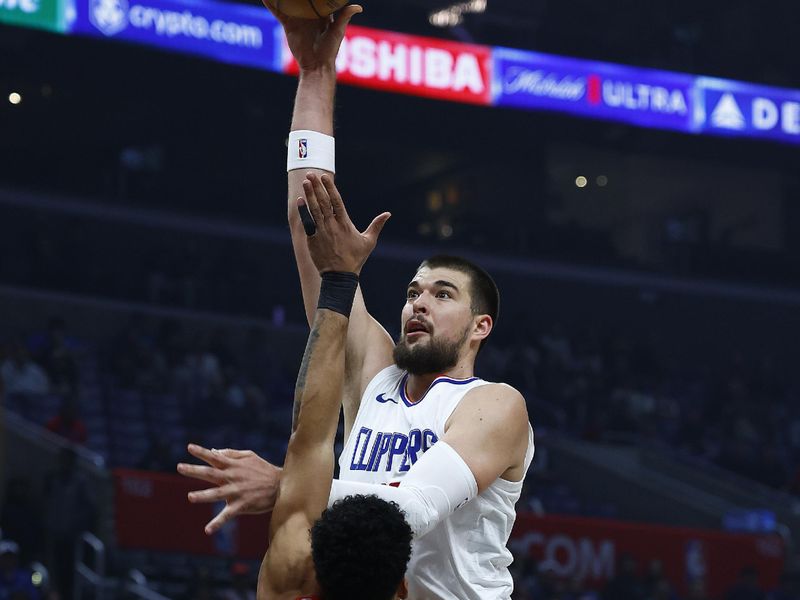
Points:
(307, 9)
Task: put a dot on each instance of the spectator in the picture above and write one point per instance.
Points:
(21, 375)
(794, 483)
(159, 456)
(235, 399)
(58, 359)
(697, 590)
(626, 585)
(576, 591)
(243, 585)
(747, 586)
(788, 588)
(69, 511)
(21, 518)
(550, 586)
(525, 573)
(133, 358)
(200, 587)
(67, 424)
(661, 591)
(771, 470)
(15, 581)
(656, 585)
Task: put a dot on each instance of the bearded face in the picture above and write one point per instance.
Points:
(437, 322)
(420, 352)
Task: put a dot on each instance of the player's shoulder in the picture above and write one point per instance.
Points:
(502, 401)
(503, 391)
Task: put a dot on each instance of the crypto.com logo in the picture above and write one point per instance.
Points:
(109, 16)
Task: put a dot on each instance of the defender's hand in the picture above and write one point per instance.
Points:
(246, 482)
(314, 43)
(334, 242)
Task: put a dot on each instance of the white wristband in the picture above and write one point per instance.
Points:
(311, 150)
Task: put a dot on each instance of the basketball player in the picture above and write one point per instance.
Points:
(453, 448)
(358, 548)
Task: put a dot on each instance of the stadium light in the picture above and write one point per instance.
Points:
(454, 15)
(15, 98)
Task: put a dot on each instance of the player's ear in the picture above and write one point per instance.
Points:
(483, 327)
(402, 589)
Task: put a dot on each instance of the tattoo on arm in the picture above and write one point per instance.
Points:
(300, 385)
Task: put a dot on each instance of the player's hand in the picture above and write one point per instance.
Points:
(336, 244)
(314, 43)
(247, 483)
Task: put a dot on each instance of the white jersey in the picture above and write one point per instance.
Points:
(465, 556)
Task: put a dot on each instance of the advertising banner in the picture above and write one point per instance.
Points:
(408, 64)
(232, 33)
(434, 68)
(643, 97)
(152, 513)
(590, 549)
(38, 14)
(734, 108)
(421, 66)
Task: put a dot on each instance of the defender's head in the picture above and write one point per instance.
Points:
(451, 308)
(361, 547)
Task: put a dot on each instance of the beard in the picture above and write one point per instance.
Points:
(437, 356)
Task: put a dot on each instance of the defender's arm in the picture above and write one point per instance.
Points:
(305, 485)
(338, 251)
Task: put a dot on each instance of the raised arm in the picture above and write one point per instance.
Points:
(338, 251)
(308, 468)
(314, 45)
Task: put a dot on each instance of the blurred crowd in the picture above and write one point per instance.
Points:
(744, 418)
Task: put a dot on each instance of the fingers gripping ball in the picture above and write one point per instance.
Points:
(307, 9)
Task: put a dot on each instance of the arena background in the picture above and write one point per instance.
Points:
(649, 276)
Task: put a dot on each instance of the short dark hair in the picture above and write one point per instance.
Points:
(361, 547)
(483, 290)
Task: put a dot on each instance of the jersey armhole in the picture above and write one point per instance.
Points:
(381, 376)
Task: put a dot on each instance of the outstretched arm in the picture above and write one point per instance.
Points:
(338, 252)
(305, 485)
(314, 45)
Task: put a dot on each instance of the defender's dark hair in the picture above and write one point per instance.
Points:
(361, 547)
(483, 290)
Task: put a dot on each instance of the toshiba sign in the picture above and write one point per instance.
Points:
(412, 65)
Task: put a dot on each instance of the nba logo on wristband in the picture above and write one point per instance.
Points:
(309, 150)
